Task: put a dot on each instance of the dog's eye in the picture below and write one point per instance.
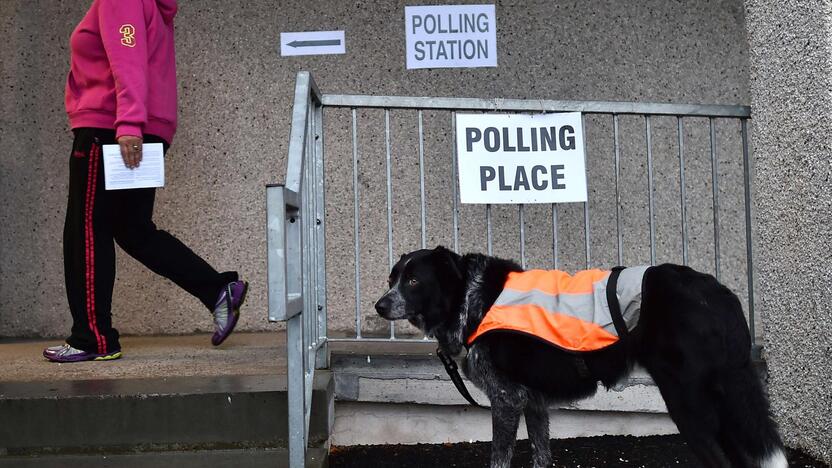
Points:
(412, 282)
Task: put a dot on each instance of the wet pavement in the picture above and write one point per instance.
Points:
(148, 357)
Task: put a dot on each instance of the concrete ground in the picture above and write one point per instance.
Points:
(152, 357)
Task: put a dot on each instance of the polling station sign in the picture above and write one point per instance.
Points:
(451, 36)
(521, 158)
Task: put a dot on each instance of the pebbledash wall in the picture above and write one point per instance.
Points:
(791, 79)
(235, 106)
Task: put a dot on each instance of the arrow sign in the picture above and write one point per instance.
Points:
(315, 43)
(312, 43)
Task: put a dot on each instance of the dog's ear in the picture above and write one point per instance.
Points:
(450, 260)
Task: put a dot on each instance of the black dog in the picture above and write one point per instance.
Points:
(691, 336)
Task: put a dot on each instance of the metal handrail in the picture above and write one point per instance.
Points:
(532, 105)
(297, 260)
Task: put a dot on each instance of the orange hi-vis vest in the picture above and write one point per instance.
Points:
(571, 312)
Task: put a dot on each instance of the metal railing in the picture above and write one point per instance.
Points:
(296, 212)
(297, 260)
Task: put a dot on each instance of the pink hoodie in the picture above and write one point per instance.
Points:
(123, 68)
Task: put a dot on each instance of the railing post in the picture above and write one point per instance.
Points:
(296, 390)
(296, 275)
(322, 358)
(285, 304)
(749, 239)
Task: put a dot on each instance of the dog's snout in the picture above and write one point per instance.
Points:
(383, 306)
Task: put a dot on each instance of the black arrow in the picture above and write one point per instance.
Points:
(325, 42)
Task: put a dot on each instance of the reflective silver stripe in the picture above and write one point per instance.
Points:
(628, 291)
(592, 308)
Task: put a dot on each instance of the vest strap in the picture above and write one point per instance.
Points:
(453, 372)
(615, 307)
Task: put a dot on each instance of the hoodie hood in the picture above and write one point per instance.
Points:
(168, 9)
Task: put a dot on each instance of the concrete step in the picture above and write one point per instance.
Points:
(399, 393)
(374, 373)
(170, 401)
(183, 415)
(249, 458)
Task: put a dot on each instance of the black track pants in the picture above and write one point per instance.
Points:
(94, 219)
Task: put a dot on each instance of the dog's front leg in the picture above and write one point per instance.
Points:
(537, 424)
(505, 417)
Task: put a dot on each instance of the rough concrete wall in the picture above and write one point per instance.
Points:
(235, 107)
(791, 79)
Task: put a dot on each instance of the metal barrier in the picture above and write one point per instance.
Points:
(296, 213)
(297, 260)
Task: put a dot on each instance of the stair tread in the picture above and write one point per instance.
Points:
(251, 458)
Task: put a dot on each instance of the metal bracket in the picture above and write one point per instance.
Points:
(284, 253)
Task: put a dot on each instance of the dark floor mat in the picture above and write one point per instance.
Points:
(585, 452)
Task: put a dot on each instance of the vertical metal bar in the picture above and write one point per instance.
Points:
(746, 171)
(320, 242)
(389, 205)
(489, 239)
(296, 393)
(522, 237)
(586, 235)
(454, 182)
(311, 222)
(586, 203)
(648, 132)
(308, 235)
(313, 233)
(422, 184)
(422, 177)
(683, 197)
(555, 235)
(310, 299)
(356, 224)
(488, 228)
(715, 185)
(305, 325)
(309, 377)
(618, 233)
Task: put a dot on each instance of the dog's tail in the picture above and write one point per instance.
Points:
(747, 422)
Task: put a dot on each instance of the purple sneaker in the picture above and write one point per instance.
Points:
(66, 353)
(227, 310)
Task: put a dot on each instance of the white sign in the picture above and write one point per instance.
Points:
(519, 158)
(150, 173)
(451, 36)
(312, 43)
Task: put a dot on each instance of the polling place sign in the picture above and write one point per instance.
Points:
(450, 36)
(521, 158)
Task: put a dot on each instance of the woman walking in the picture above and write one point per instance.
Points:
(121, 90)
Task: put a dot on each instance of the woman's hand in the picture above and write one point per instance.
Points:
(131, 150)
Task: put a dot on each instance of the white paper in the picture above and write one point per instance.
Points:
(450, 36)
(520, 158)
(312, 43)
(150, 173)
